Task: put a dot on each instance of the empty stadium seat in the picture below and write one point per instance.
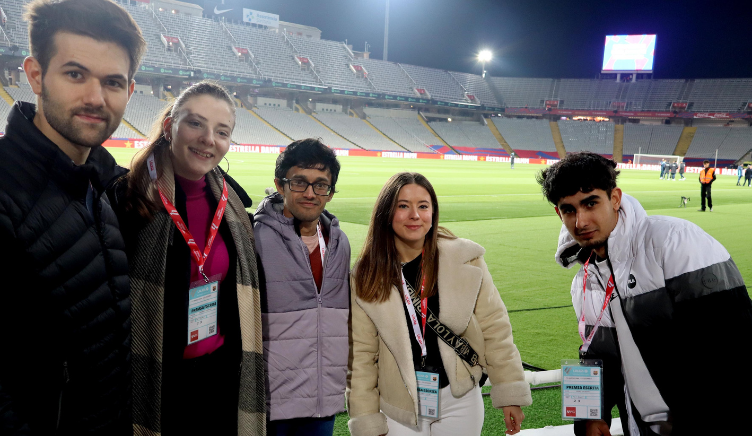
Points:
(357, 132)
(465, 134)
(525, 134)
(587, 136)
(301, 126)
(651, 138)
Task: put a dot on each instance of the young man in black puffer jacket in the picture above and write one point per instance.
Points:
(65, 367)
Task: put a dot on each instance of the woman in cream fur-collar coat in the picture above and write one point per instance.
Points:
(382, 378)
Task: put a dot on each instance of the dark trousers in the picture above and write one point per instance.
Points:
(201, 397)
(705, 192)
(747, 181)
(302, 427)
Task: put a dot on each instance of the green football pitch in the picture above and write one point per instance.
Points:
(504, 210)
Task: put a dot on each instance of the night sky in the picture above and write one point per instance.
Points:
(535, 38)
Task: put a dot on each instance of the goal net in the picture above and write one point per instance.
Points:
(655, 159)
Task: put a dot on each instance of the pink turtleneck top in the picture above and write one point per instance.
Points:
(200, 213)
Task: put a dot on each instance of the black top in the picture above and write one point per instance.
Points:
(433, 362)
(66, 294)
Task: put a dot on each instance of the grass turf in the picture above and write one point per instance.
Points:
(503, 210)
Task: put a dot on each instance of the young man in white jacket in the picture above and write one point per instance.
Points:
(678, 317)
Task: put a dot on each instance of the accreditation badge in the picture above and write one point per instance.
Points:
(581, 389)
(203, 305)
(428, 394)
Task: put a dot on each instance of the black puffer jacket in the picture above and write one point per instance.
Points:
(65, 319)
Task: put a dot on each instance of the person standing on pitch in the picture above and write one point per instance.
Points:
(511, 159)
(674, 166)
(748, 176)
(681, 169)
(707, 177)
(648, 291)
(197, 341)
(426, 316)
(663, 168)
(304, 267)
(739, 173)
(66, 365)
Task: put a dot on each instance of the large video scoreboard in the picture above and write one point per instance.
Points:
(629, 54)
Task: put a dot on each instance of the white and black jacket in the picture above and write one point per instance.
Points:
(682, 315)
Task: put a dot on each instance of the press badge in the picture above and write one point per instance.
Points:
(428, 394)
(581, 389)
(203, 305)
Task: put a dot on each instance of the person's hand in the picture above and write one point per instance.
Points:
(513, 418)
(597, 427)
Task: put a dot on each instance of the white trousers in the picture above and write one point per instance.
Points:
(458, 416)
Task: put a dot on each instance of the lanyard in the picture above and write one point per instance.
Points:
(411, 311)
(609, 290)
(322, 243)
(199, 257)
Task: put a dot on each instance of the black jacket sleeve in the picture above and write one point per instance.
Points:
(10, 421)
(713, 329)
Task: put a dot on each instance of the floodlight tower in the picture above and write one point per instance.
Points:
(386, 31)
(483, 57)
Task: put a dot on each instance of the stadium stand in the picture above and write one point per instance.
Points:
(402, 127)
(440, 84)
(274, 57)
(475, 85)
(142, 111)
(156, 53)
(731, 143)
(522, 92)
(576, 93)
(23, 92)
(300, 126)
(4, 112)
(662, 93)
(650, 139)
(525, 134)
(388, 77)
(206, 44)
(251, 130)
(720, 94)
(15, 28)
(357, 131)
(331, 61)
(465, 134)
(587, 136)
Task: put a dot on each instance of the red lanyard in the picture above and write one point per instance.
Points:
(199, 257)
(609, 290)
(411, 310)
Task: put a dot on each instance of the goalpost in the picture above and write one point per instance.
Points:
(655, 159)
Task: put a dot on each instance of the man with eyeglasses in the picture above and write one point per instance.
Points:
(304, 264)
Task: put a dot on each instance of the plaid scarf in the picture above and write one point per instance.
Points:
(148, 266)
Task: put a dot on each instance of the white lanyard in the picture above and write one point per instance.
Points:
(414, 316)
(322, 243)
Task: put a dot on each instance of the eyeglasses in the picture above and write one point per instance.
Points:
(298, 185)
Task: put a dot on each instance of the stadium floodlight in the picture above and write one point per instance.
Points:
(483, 57)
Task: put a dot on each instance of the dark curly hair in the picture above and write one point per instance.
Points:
(578, 172)
(307, 153)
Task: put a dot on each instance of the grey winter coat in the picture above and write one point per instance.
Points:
(305, 332)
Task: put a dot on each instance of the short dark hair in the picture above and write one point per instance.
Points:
(307, 153)
(705, 162)
(102, 20)
(577, 172)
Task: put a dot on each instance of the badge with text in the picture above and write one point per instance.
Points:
(581, 389)
(203, 305)
(428, 394)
